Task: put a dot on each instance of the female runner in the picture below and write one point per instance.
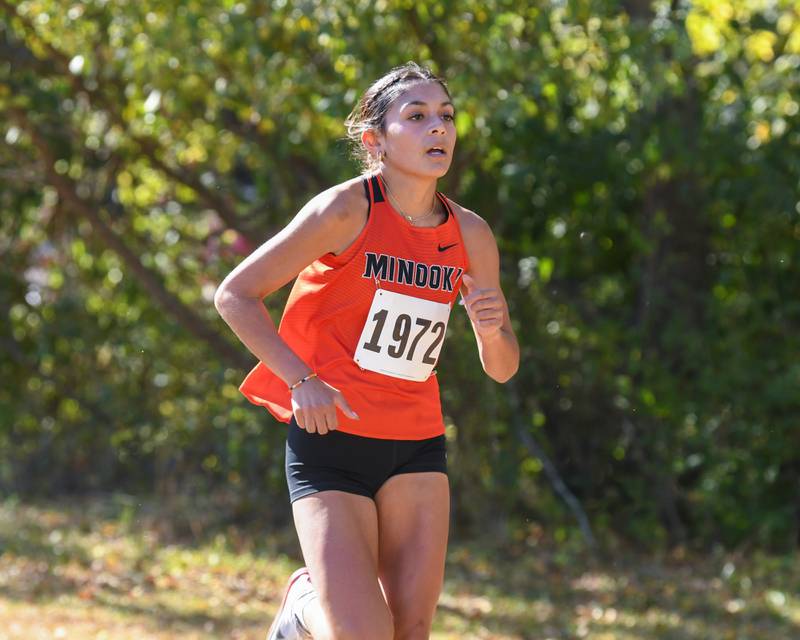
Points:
(379, 260)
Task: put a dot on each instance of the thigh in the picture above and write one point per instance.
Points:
(338, 534)
(413, 524)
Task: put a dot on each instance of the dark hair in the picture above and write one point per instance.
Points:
(370, 111)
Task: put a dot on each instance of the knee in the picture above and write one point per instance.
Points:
(412, 627)
(376, 625)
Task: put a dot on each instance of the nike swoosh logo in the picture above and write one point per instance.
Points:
(449, 246)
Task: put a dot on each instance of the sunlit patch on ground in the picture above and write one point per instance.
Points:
(95, 571)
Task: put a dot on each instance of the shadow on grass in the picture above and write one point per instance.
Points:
(159, 616)
(538, 595)
(34, 546)
(491, 588)
(48, 551)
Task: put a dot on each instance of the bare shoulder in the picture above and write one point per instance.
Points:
(475, 230)
(342, 209)
(344, 199)
(341, 203)
(328, 223)
(480, 244)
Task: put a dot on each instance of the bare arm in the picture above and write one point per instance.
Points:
(486, 304)
(326, 224)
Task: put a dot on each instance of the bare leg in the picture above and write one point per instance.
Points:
(414, 518)
(338, 534)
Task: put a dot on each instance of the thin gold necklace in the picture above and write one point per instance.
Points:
(411, 219)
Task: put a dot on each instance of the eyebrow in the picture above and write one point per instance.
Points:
(425, 104)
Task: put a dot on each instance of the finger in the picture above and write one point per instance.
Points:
(311, 422)
(488, 323)
(482, 312)
(484, 307)
(479, 294)
(469, 282)
(331, 420)
(339, 401)
(490, 320)
(487, 315)
(299, 418)
(321, 418)
(467, 287)
(490, 314)
(322, 424)
(491, 302)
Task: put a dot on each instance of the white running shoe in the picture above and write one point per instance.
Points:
(288, 624)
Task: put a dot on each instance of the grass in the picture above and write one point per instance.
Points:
(114, 568)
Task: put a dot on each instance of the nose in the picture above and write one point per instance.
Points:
(438, 125)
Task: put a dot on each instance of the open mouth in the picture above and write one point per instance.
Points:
(436, 151)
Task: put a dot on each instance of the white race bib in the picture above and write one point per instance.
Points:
(403, 336)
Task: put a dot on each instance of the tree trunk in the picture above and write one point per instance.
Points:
(674, 285)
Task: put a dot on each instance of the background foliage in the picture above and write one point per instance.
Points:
(637, 161)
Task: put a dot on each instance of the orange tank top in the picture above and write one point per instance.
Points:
(328, 308)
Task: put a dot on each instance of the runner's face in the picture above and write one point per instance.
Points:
(417, 121)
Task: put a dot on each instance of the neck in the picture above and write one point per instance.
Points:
(413, 194)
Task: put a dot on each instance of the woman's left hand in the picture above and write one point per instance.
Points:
(484, 307)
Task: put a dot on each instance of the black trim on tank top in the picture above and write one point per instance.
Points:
(378, 196)
(376, 189)
(446, 206)
(369, 200)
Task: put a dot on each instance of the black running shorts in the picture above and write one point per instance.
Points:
(356, 464)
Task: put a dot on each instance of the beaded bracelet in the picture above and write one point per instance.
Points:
(302, 380)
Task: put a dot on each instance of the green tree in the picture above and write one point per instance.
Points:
(637, 162)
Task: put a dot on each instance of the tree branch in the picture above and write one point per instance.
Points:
(148, 145)
(550, 470)
(149, 280)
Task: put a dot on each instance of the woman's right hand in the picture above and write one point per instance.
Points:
(314, 405)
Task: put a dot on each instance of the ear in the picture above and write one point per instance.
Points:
(371, 141)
